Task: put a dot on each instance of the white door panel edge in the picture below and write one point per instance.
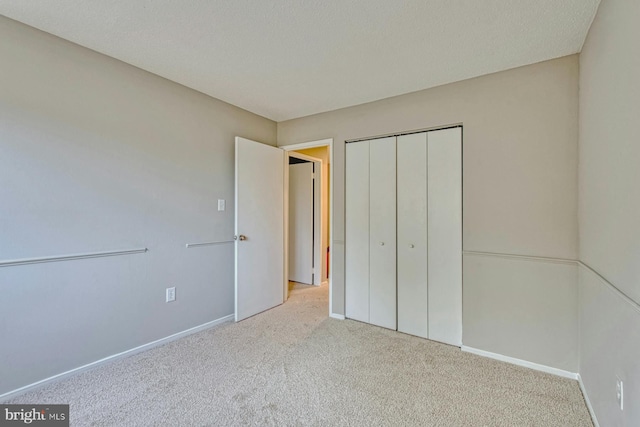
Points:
(318, 230)
(259, 224)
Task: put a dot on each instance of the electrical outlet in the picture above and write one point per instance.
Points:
(171, 294)
(620, 393)
(221, 204)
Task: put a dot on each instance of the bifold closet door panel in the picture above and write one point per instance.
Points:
(357, 231)
(382, 232)
(412, 234)
(445, 235)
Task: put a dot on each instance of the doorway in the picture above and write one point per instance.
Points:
(321, 153)
(305, 225)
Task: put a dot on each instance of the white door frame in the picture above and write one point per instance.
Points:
(317, 213)
(301, 146)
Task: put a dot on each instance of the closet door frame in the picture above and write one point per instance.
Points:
(457, 342)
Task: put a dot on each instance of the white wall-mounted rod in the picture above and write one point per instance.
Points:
(523, 257)
(26, 261)
(195, 245)
(611, 286)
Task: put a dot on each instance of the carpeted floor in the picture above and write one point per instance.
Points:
(295, 366)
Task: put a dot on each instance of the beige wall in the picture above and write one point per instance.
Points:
(609, 211)
(96, 155)
(520, 195)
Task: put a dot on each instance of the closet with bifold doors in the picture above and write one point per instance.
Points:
(403, 233)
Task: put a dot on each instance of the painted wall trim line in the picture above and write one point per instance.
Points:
(70, 257)
(523, 257)
(520, 362)
(196, 245)
(588, 402)
(612, 287)
(337, 316)
(114, 357)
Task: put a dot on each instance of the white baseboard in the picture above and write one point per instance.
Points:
(520, 362)
(586, 399)
(337, 316)
(126, 353)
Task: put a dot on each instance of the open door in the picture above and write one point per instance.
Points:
(301, 217)
(259, 228)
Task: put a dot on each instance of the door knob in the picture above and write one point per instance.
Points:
(381, 243)
(411, 246)
(240, 237)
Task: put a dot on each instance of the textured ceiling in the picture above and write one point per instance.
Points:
(290, 58)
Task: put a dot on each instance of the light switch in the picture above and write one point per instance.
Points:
(221, 204)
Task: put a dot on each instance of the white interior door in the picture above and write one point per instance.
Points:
(445, 235)
(412, 235)
(259, 228)
(301, 230)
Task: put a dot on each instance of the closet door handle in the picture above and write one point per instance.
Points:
(411, 246)
(381, 243)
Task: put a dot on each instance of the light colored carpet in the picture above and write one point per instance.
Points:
(295, 366)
